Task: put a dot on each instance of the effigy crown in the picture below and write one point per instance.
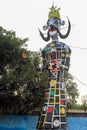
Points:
(54, 13)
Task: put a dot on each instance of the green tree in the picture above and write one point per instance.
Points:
(72, 91)
(84, 103)
(21, 81)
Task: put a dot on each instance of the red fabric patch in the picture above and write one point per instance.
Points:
(50, 109)
(62, 102)
(46, 95)
(55, 69)
(54, 61)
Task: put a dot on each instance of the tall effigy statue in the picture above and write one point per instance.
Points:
(56, 59)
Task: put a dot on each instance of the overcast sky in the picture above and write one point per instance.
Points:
(26, 16)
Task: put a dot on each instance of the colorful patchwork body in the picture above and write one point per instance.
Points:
(53, 114)
(56, 59)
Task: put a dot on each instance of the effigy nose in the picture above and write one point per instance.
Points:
(51, 26)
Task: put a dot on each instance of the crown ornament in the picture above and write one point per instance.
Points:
(54, 13)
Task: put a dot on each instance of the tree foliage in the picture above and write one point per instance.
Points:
(22, 83)
(72, 91)
(84, 102)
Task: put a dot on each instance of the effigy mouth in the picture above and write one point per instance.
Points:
(52, 29)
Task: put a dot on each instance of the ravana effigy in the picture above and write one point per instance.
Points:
(56, 60)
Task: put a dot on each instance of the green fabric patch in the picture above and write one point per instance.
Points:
(52, 93)
(47, 50)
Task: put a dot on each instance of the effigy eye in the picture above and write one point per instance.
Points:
(56, 21)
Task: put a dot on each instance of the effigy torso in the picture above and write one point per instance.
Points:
(53, 114)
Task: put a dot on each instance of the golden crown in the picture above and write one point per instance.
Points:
(54, 13)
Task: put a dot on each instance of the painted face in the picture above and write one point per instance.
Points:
(53, 25)
(53, 29)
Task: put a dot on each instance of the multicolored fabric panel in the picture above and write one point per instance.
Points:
(53, 114)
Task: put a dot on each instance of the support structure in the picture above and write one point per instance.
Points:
(56, 58)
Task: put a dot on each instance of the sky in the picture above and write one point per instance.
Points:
(26, 16)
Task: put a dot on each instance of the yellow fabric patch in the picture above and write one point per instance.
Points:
(52, 44)
(62, 110)
(52, 82)
(68, 54)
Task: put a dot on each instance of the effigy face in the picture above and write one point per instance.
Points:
(53, 25)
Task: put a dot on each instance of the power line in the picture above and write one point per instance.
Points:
(78, 47)
(75, 46)
(80, 81)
